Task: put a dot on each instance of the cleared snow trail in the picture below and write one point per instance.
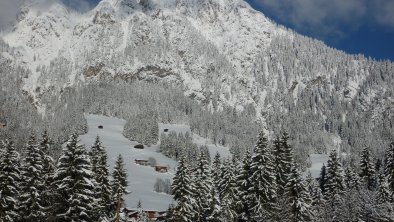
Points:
(141, 178)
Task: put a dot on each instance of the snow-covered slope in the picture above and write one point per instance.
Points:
(221, 53)
(141, 178)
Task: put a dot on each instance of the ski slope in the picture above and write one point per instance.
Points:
(141, 178)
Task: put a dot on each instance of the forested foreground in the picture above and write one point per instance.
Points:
(266, 184)
(76, 187)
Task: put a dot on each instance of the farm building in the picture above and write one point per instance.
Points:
(142, 162)
(139, 146)
(161, 169)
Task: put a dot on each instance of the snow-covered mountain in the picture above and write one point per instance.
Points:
(184, 41)
(221, 52)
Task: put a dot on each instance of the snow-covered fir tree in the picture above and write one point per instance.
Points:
(119, 181)
(214, 212)
(103, 190)
(48, 168)
(203, 186)
(389, 166)
(32, 185)
(367, 169)
(227, 189)
(322, 179)
(73, 180)
(263, 180)
(244, 187)
(9, 183)
(298, 199)
(183, 191)
(384, 194)
(334, 186)
(351, 179)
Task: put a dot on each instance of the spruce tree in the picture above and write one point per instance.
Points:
(351, 180)
(367, 169)
(389, 166)
(183, 194)
(203, 186)
(298, 198)
(9, 182)
(227, 189)
(384, 194)
(47, 172)
(102, 190)
(263, 180)
(322, 179)
(32, 185)
(244, 185)
(74, 186)
(119, 181)
(215, 213)
(216, 170)
(334, 186)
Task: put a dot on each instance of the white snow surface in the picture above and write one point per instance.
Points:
(141, 178)
(317, 161)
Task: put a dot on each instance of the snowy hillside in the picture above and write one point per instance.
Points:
(141, 178)
(222, 54)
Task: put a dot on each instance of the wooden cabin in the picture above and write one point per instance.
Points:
(139, 146)
(142, 162)
(152, 214)
(3, 123)
(161, 169)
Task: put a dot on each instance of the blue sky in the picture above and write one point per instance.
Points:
(354, 26)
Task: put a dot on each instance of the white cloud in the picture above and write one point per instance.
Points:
(331, 17)
(8, 11)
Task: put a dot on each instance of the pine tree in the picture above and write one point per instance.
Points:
(367, 169)
(334, 185)
(263, 180)
(322, 179)
(119, 181)
(203, 185)
(244, 185)
(102, 190)
(74, 186)
(389, 166)
(227, 189)
(32, 185)
(298, 198)
(384, 194)
(9, 182)
(216, 169)
(47, 172)
(183, 194)
(214, 210)
(351, 180)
